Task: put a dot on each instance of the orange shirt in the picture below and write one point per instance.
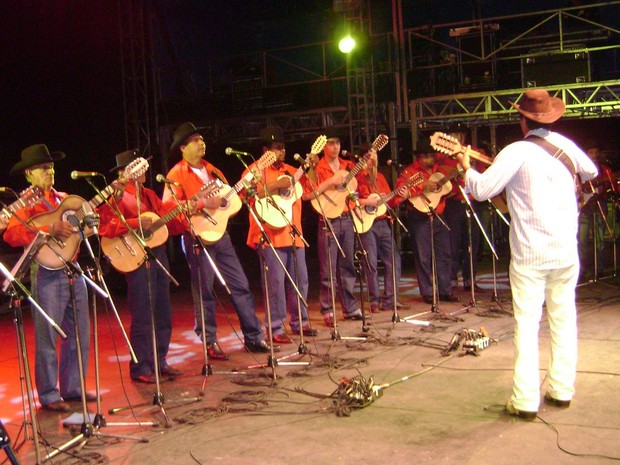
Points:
(183, 174)
(279, 237)
(324, 171)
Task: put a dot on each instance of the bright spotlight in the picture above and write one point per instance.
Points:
(346, 44)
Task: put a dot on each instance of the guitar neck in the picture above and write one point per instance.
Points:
(356, 169)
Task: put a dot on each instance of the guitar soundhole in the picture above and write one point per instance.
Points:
(341, 187)
(285, 193)
(370, 209)
(147, 235)
(223, 203)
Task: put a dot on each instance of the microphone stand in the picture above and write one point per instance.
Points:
(22, 351)
(293, 231)
(469, 213)
(494, 298)
(330, 234)
(272, 361)
(87, 430)
(392, 218)
(364, 254)
(595, 237)
(158, 395)
(432, 214)
(99, 420)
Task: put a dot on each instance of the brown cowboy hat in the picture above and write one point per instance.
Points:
(124, 158)
(180, 136)
(539, 106)
(37, 154)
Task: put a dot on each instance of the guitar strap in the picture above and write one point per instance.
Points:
(559, 155)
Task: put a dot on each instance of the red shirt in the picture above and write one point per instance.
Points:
(112, 226)
(418, 189)
(17, 234)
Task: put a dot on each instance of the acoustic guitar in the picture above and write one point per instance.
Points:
(210, 223)
(332, 201)
(126, 254)
(75, 209)
(364, 217)
(449, 145)
(281, 214)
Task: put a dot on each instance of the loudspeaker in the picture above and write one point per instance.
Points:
(555, 68)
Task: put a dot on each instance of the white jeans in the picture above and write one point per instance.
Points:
(530, 288)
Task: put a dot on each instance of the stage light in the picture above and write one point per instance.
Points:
(346, 44)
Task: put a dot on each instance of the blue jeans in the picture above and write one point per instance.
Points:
(343, 267)
(282, 295)
(379, 245)
(59, 378)
(420, 228)
(139, 304)
(224, 255)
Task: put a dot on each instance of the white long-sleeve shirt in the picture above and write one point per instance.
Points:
(541, 199)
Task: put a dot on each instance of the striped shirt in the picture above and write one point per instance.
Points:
(541, 199)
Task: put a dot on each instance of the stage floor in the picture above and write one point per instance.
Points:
(432, 408)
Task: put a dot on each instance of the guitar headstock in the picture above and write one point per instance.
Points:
(135, 169)
(30, 196)
(268, 159)
(445, 144)
(380, 142)
(414, 180)
(319, 145)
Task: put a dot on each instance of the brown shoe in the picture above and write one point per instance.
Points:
(167, 370)
(58, 406)
(215, 352)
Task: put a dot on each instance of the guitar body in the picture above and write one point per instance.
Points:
(67, 247)
(364, 217)
(212, 225)
(125, 254)
(284, 200)
(433, 197)
(333, 200)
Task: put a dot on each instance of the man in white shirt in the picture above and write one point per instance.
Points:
(544, 264)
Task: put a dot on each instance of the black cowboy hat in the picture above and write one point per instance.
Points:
(539, 106)
(180, 136)
(37, 154)
(124, 158)
(271, 134)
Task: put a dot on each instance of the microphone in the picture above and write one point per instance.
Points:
(395, 164)
(349, 155)
(355, 197)
(161, 178)
(231, 151)
(298, 158)
(84, 174)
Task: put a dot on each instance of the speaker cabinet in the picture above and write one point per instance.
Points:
(555, 68)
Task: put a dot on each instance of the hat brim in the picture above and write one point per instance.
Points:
(558, 108)
(23, 165)
(120, 167)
